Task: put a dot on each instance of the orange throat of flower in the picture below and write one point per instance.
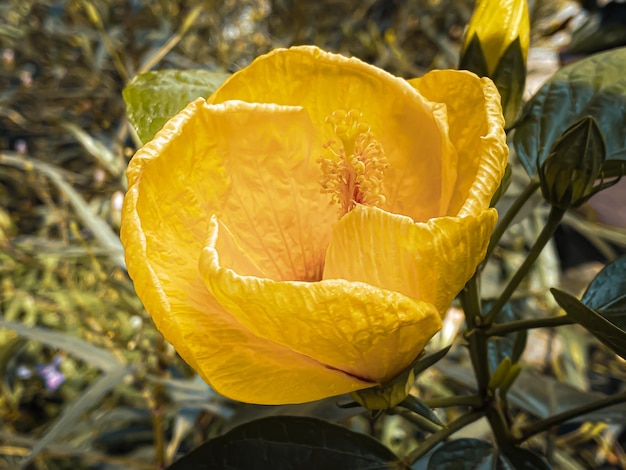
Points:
(353, 168)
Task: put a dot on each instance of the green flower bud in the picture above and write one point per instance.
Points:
(569, 174)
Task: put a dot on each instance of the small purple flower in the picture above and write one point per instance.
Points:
(52, 377)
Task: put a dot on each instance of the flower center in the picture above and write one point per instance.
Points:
(353, 167)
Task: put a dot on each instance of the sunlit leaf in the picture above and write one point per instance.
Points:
(154, 97)
(290, 442)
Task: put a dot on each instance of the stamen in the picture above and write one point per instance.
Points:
(352, 170)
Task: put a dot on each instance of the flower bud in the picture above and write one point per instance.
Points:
(568, 176)
(496, 46)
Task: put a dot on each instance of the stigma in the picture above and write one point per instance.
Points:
(353, 165)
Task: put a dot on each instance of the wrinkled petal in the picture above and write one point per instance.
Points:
(160, 233)
(428, 261)
(413, 131)
(476, 130)
(252, 164)
(368, 332)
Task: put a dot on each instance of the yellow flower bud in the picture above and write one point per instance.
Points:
(496, 46)
(497, 24)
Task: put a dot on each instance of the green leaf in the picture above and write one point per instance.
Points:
(422, 364)
(607, 292)
(289, 442)
(523, 459)
(511, 345)
(154, 97)
(599, 325)
(595, 86)
(474, 454)
(600, 31)
(417, 406)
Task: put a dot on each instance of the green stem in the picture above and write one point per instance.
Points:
(499, 425)
(508, 217)
(528, 324)
(443, 434)
(545, 424)
(477, 341)
(554, 218)
(469, 400)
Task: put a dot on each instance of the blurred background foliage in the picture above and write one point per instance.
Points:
(85, 380)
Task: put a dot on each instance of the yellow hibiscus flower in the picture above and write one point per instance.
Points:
(299, 234)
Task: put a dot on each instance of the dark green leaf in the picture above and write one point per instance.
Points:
(154, 97)
(607, 292)
(474, 454)
(499, 348)
(290, 442)
(600, 31)
(598, 325)
(595, 86)
(423, 364)
(419, 407)
(523, 459)
(462, 454)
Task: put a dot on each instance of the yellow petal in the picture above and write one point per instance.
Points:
(367, 332)
(162, 221)
(476, 130)
(497, 23)
(429, 261)
(413, 131)
(253, 165)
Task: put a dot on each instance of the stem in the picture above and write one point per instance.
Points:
(508, 217)
(499, 425)
(545, 424)
(477, 341)
(554, 218)
(528, 324)
(440, 436)
(444, 402)
(158, 429)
